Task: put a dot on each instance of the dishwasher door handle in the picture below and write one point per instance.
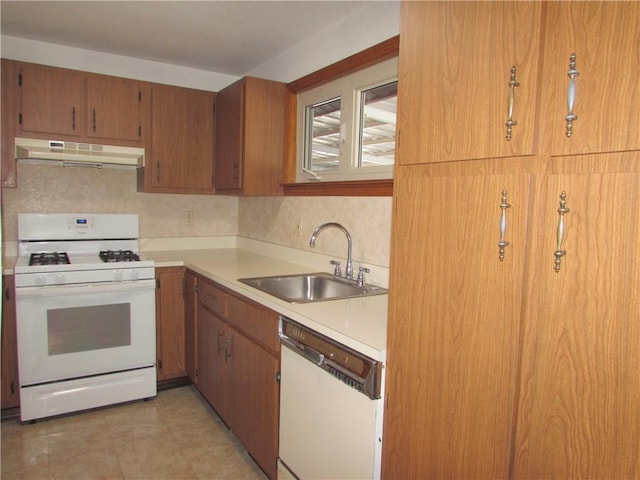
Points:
(303, 350)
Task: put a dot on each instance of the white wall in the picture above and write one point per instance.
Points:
(371, 24)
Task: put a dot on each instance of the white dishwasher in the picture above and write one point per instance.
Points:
(330, 408)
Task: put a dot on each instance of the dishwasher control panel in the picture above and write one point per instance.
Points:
(352, 368)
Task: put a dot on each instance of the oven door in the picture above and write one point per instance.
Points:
(73, 331)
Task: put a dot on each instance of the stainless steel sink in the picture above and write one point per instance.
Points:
(311, 287)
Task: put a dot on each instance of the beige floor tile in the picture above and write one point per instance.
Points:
(36, 472)
(176, 436)
(88, 466)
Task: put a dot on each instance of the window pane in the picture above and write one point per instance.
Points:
(323, 136)
(378, 125)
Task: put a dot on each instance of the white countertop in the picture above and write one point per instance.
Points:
(359, 323)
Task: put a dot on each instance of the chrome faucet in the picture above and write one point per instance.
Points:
(349, 270)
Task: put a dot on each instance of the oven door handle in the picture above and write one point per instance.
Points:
(85, 288)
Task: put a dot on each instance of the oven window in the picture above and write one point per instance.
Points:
(81, 329)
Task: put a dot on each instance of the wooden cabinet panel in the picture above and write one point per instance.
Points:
(250, 137)
(10, 382)
(182, 140)
(114, 109)
(170, 322)
(253, 393)
(237, 376)
(213, 298)
(8, 121)
(258, 323)
(230, 135)
(578, 415)
(51, 101)
(604, 37)
(453, 341)
(454, 70)
(190, 325)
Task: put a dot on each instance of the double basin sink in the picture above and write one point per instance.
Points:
(311, 287)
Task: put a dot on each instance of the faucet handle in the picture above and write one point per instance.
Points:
(337, 271)
(361, 272)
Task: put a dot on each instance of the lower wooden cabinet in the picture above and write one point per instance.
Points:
(238, 364)
(10, 384)
(170, 322)
(190, 325)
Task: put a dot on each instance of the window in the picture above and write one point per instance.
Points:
(346, 128)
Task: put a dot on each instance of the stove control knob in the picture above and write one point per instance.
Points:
(135, 274)
(41, 280)
(117, 275)
(59, 279)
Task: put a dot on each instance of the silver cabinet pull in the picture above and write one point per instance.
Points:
(559, 253)
(571, 94)
(503, 224)
(510, 123)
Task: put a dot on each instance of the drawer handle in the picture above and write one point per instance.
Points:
(510, 123)
(503, 225)
(570, 117)
(209, 296)
(220, 335)
(559, 253)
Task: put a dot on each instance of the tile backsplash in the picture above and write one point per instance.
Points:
(53, 189)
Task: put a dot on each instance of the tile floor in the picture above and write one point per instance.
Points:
(175, 436)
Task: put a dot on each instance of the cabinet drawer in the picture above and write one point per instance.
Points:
(212, 298)
(255, 321)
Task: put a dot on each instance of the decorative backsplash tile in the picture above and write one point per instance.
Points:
(53, 189)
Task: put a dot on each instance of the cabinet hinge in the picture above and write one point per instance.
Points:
(159, 364)
(157, 283)
(7, 294)
(196, 373)
(12, 387)
(139, 130)
(20, 118)
(139, 95)
(278, 376)
(20, 80)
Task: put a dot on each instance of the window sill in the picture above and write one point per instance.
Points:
(355, 188)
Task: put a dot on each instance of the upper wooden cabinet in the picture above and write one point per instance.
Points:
(60, 104)
(455, 72)
(456, 62)
(250, 137)
(604, 38)
(51, 101)
(115, 109)
(181, 155)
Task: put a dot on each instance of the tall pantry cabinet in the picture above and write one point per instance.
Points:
(514, 318)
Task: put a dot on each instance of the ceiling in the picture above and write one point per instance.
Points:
(230, 37)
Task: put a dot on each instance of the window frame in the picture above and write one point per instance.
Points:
(375, 54)
(349, 90)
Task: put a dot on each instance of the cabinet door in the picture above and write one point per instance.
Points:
(52, 101)
(254, 392)
(114, 109)
(10, 382)
(604, 37)
(454, 326)
(190, 326)
(182, 139)
(170, 309)
(8, 121)
(455, 70)
(213, 351)
(579, 414)
(230, 135)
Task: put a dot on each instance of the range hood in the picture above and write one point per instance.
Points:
(77, 154)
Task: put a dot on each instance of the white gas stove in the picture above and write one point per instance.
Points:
(85, 304)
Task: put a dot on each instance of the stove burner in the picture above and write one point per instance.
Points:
(49, 258)
(119, 256)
